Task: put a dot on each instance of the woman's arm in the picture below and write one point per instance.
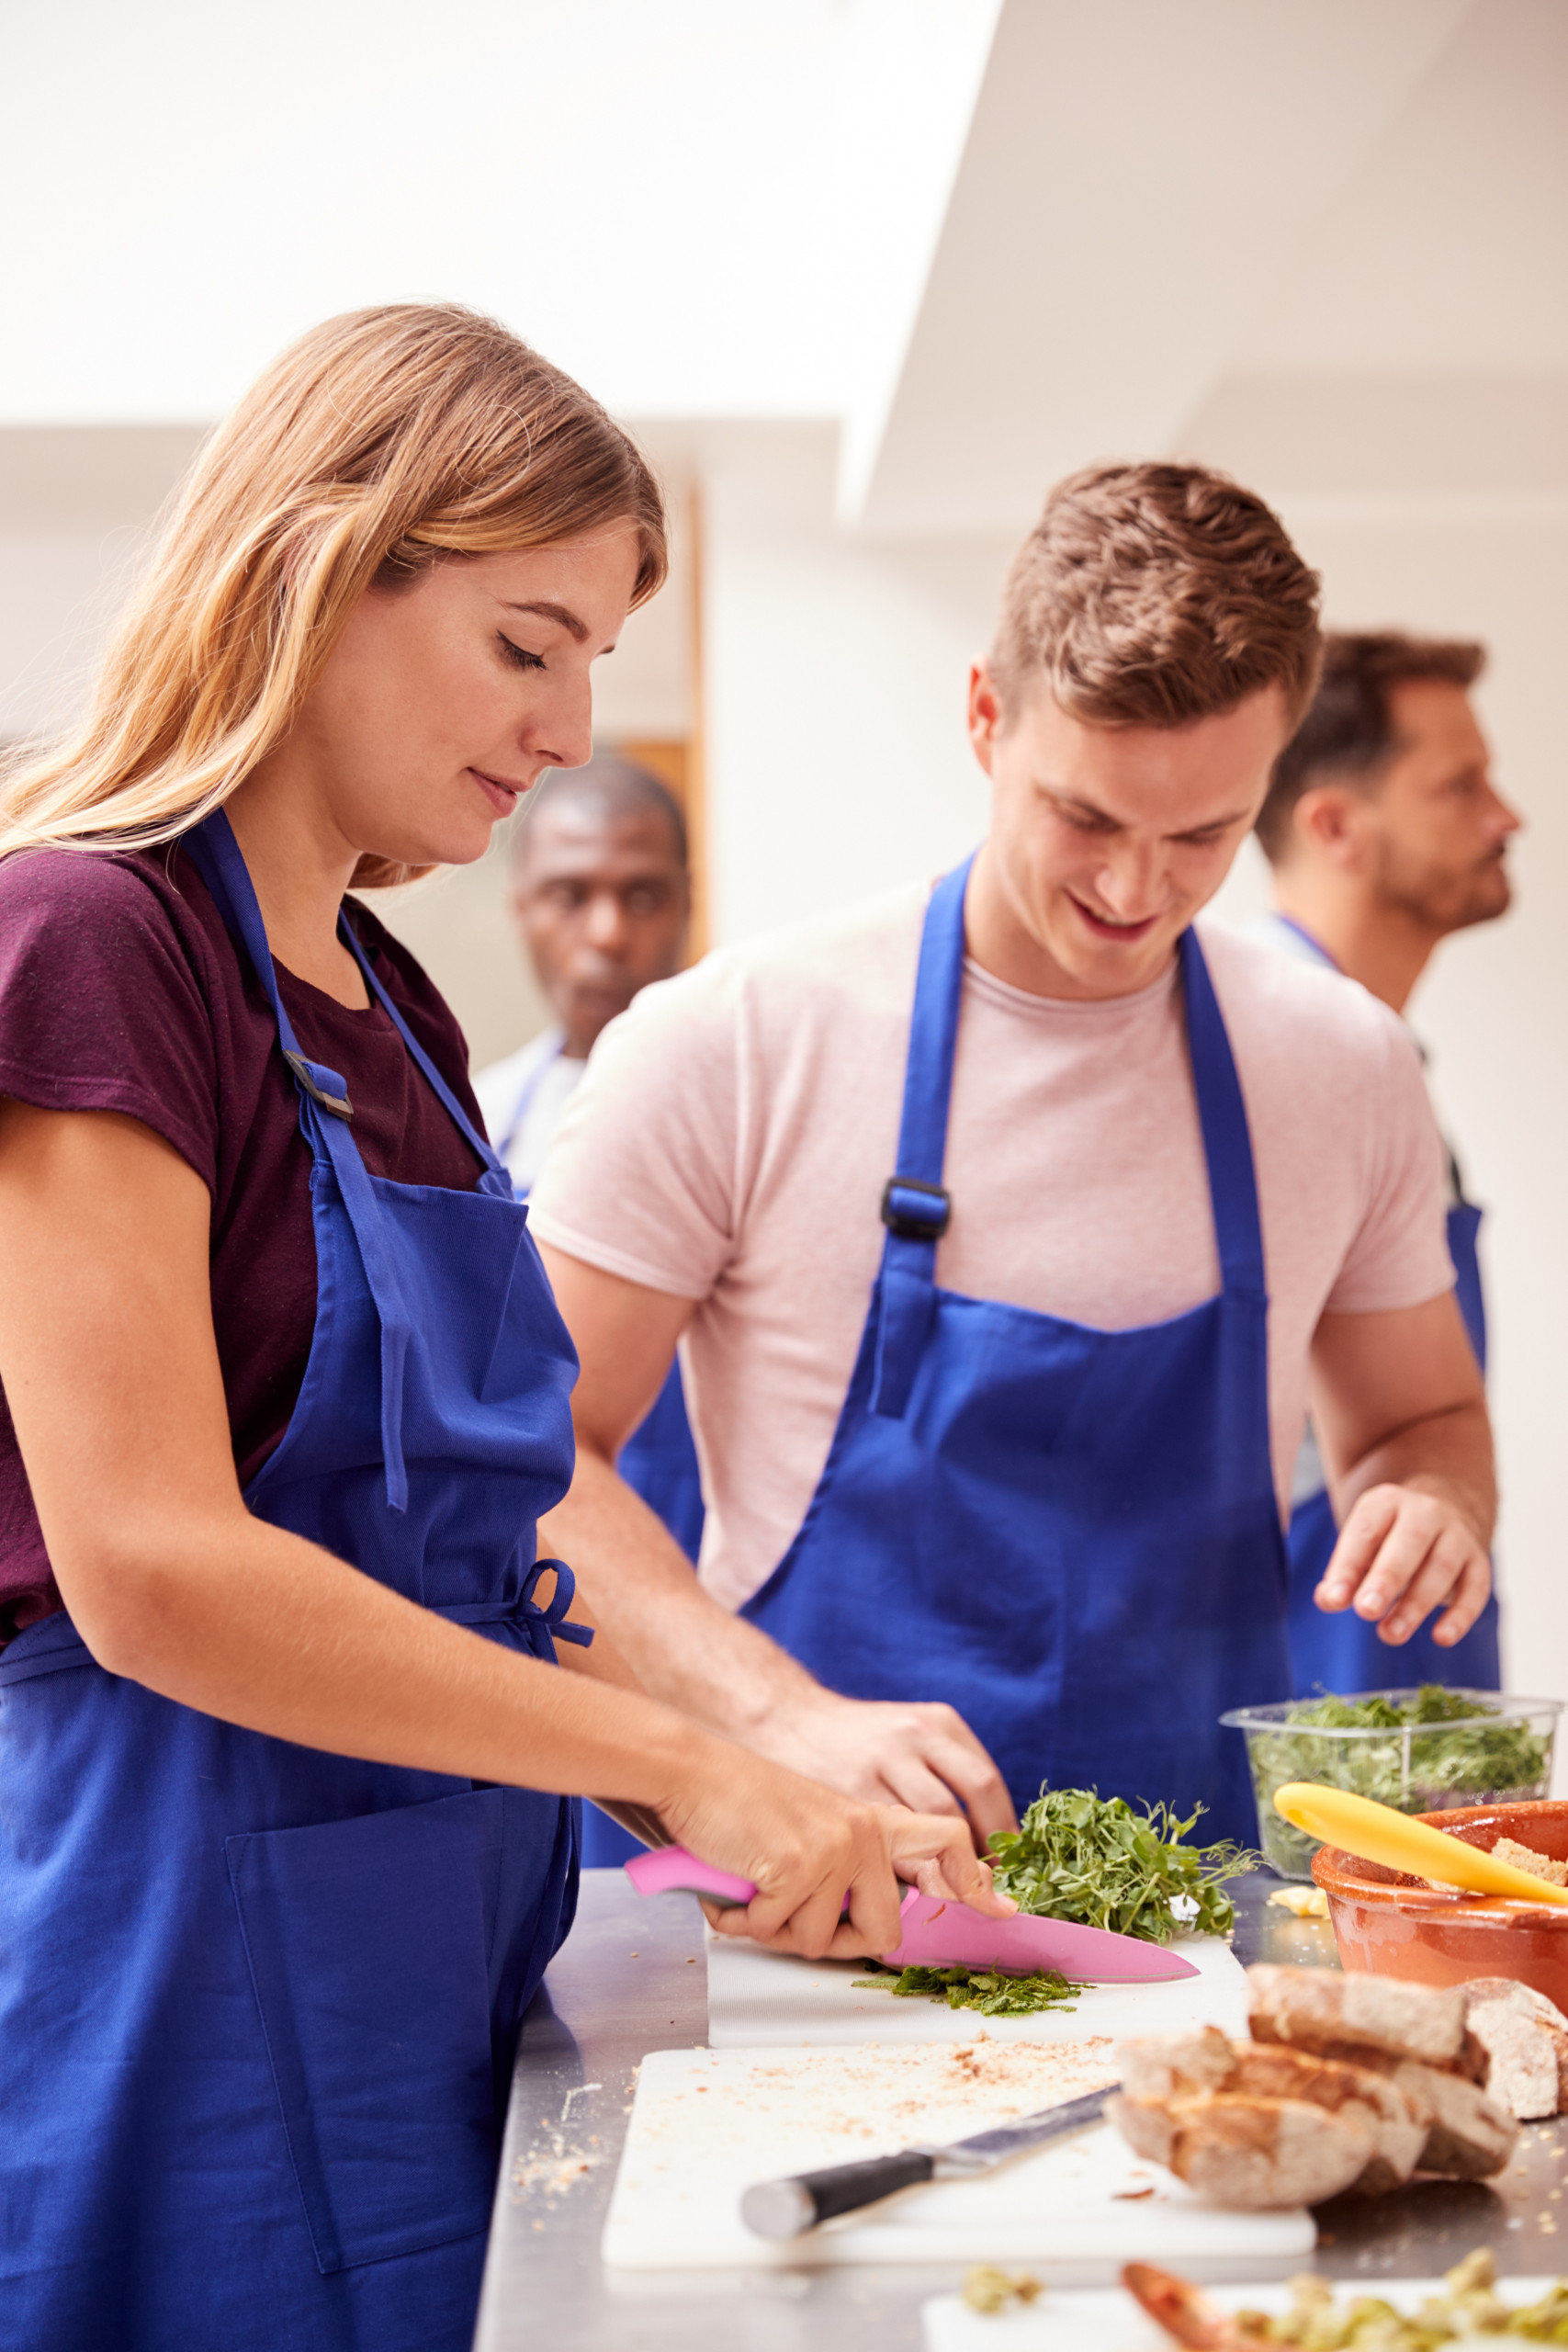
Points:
(685, 1647)
(110, 1368)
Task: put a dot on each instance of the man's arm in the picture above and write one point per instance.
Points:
(1400, 1411)
(684, 1648)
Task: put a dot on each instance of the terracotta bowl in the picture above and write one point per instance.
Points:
(1396, 1926)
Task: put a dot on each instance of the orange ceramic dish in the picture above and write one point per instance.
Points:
(1394, 1926)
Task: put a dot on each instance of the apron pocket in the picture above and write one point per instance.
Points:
(369, 1948)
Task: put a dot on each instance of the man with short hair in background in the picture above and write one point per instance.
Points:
(1385, 833)
(602, 894)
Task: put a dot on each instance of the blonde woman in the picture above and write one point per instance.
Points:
(285, 1841)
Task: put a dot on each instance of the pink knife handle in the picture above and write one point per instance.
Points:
(667, 1870)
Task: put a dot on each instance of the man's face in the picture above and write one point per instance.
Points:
(602, 902)
(1435, 831)
(1106, 840)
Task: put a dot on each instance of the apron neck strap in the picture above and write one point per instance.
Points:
(1222, 1113)
(438, 1084)
(916, 1207)
(218, 858)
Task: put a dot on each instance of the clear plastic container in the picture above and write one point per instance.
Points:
(1495, 1746)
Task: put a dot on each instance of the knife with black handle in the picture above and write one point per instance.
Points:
(787, 2208)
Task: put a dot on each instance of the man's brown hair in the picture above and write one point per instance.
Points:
(1151, 595)
(1349, 733)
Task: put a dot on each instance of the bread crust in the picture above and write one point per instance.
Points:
(1316, 2010)
(1255, 2154)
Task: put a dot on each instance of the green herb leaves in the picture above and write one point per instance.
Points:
(991, 1991)
(1417, 1769)
(1094, 1859)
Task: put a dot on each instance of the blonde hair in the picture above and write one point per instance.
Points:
(377, 443)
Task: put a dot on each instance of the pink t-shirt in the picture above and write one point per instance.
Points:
(733, 1132)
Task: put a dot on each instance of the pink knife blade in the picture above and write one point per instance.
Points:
(950, 1934)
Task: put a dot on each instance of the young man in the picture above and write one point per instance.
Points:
(1385, 833)
(1001, 1223)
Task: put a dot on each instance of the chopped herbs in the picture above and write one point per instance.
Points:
(990, 1990)
(1419, 1767)
(1096, 1860)
(1468, 2308)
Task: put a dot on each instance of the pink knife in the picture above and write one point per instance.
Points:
(950, 1934)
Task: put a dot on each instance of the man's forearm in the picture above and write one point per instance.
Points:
(1446, 1454)
(684, 1648)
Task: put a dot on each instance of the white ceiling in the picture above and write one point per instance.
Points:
(1327, 245)
(701, 209)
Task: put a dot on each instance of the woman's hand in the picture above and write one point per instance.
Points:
(827, 1869)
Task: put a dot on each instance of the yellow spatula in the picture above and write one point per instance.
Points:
(1377, 1834)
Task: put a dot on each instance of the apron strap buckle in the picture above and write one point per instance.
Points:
(914, 1211)
(309, 1075)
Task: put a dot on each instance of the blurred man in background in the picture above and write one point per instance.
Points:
(601, 893)
(1385, 833)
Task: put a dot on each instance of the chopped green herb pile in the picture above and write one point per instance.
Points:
(991, 1991)
(1469, 2307)
(1417, 1769)
(1094, 1859)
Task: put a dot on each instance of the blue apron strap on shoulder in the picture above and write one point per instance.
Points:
(217, 857)
(1227, 1142)
(915, 1207)
(495, 1178)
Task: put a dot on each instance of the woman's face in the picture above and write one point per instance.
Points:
(445, 699)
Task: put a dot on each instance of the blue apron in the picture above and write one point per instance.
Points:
(659, 1462)
(1071, 1536)
(258, 2004)
(1343, 1652)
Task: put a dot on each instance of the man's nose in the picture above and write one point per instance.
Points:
(605, 928)
(1127, 882)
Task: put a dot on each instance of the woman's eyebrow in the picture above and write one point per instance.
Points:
(559, 615)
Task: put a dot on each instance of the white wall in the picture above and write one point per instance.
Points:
(836, 669)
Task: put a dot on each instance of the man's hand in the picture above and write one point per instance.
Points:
(1403, 1553)
(920, 1753)
(1401, 1414)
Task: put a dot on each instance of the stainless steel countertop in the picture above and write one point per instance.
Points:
(631, 1978)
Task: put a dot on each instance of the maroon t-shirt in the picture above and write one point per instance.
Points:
(121, 990)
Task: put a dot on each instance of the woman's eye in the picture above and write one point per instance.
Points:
(519, 654)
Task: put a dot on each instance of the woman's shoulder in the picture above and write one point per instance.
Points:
(120, 912)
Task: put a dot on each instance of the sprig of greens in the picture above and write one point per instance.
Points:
(1091, 1859)
(991, 1991)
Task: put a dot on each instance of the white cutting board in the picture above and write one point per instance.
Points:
(1110, 2321)
(707, 2123)
(759, 1999)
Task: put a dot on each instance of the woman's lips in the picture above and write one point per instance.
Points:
(1123, 932)
(502, 797)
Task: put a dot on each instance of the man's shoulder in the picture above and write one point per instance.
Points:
(855, 950)
(1296, 1015)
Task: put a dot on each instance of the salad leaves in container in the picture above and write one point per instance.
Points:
(1419, 1751)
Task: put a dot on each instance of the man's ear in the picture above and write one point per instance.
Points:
(1330, 822)
(985, 714)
